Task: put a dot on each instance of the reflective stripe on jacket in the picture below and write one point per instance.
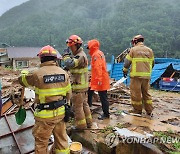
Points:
(99, 76)
(78, 66)
(48, 92)
(141, 59)
(65, 151)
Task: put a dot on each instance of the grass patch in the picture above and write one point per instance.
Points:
(119, 125)
(177, 146)
(160, 134)
(169, 142)
(119, 112)
(107, 129)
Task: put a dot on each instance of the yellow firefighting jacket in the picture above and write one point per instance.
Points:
(141, 60)
(51, 83)
(78, 67)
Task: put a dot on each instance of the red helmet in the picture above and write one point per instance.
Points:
(136, 38)
(73, 40)
(47, 51)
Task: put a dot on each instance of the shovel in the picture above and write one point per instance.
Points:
(21, 114)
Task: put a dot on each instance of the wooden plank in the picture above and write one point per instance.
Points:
(6, 106)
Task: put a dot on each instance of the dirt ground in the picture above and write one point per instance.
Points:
(166, 104)
(164, 123)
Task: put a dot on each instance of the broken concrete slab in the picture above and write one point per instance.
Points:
(127, 133)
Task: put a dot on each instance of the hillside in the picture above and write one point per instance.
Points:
(113, 22)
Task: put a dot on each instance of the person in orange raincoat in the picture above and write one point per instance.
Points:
(99, 75)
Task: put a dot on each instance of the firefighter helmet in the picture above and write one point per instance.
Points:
(137, 38)
(47, 51)
(73, 40)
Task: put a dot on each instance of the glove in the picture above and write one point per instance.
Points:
(66, 52)
(68, 112)
(65, 68)
(99, 83)
(125, 72)
(24, 72)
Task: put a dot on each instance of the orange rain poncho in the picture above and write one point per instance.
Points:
(99, 75)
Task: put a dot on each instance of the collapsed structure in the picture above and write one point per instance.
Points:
(165, 74)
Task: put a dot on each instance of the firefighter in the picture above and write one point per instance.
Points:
(53, 89)
(141, 60)
(99, 76)
(78, 67)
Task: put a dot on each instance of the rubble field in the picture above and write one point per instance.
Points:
(164, 123)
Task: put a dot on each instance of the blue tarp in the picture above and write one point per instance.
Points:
(158, 70)
(161, 64)
(165, 60)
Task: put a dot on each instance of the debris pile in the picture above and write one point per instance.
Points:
(9, 81)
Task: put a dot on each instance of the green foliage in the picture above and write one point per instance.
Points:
(8, 68)
(118, 112)
(113, 22)
(177, 145)
(119, 125)
(171, 152)
(107, 129)
(168, 135)
(160, 134)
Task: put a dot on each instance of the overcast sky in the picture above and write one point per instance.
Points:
(8, 4)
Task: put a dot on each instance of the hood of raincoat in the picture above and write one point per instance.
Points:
(93, 46)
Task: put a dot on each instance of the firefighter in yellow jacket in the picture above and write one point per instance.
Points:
(78, 67)
(53, 89)
(141, 60)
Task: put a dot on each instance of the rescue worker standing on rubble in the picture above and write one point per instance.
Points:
(78, 67)
(141, 60)
(99, 76)
(53, 89)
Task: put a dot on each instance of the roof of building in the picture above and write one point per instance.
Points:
(24, 52)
